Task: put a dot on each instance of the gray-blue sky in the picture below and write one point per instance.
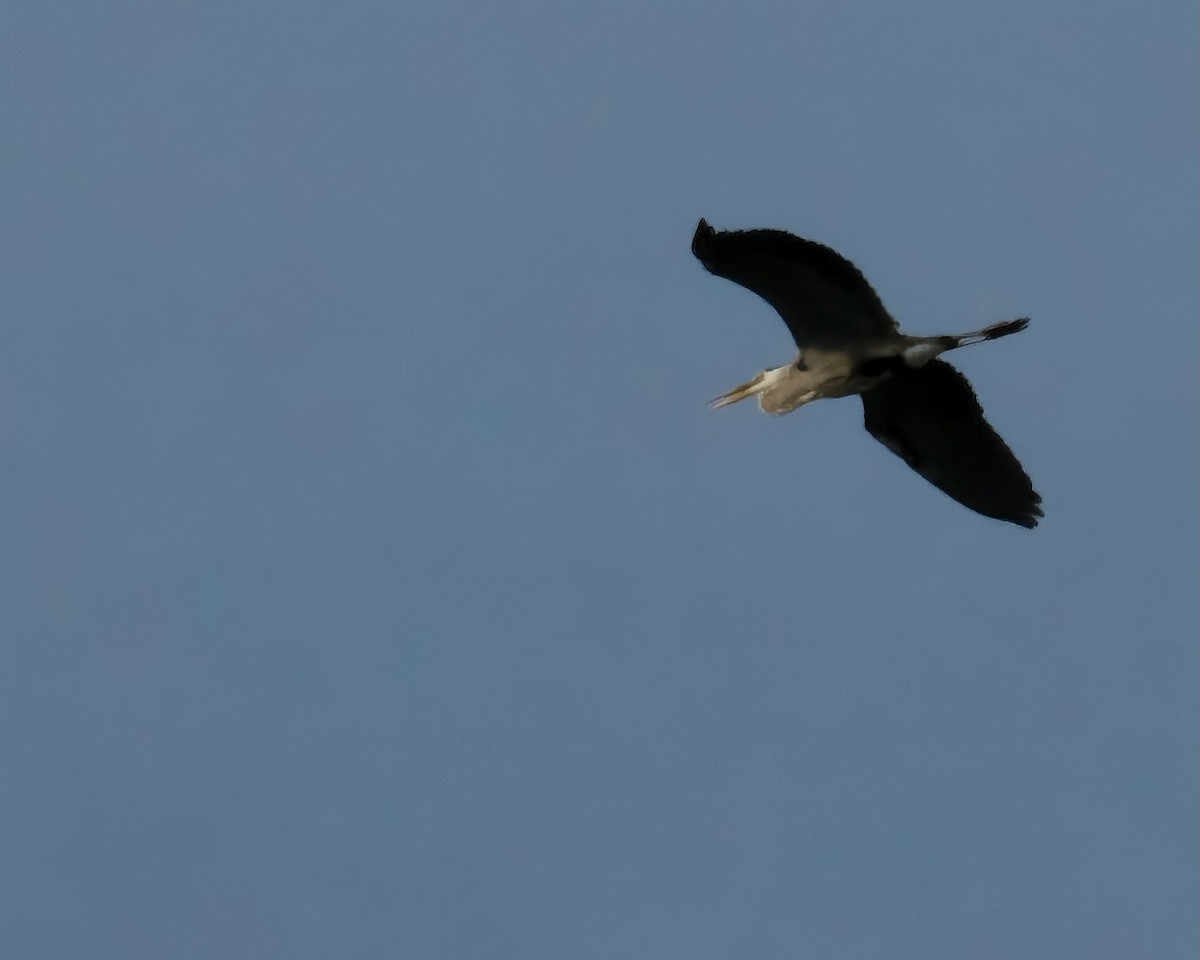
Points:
(377, 583)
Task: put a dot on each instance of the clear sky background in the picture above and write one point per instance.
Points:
(377, 583)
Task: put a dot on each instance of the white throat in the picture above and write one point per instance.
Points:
(779, 390)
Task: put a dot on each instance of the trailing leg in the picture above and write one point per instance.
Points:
(923, 349)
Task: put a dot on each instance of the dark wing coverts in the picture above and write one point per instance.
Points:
(823, 298)
(931, 419)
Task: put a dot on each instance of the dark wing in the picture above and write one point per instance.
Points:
(821, 296)
(930, 418)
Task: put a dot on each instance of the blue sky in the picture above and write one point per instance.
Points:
(377, 583)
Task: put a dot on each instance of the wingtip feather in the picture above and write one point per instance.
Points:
(702, 237)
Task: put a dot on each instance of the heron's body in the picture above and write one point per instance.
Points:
(813, 375)
(919, 407)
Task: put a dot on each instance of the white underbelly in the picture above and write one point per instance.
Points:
(834, 374)
(849, 386)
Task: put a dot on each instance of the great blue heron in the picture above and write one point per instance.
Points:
(916, 405)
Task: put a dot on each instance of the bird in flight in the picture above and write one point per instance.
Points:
(919, 407)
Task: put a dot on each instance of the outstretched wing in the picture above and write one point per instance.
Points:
(930, 418)
(823, 298)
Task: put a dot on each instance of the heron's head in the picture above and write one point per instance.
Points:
(758, 387)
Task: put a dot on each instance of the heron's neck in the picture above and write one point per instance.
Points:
(785, 388)
(772, 378)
